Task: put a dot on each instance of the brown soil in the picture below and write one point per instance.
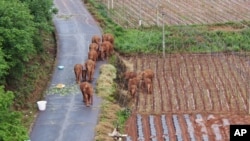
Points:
(198, 95)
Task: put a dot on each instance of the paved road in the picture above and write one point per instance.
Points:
(66, 118)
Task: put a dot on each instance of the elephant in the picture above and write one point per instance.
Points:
(87, 93)
(96, 39)
(132, 90)
(129, 74)
(103, 51)
(94, 46)
(106, 49)
(108, 37)
(133, 84)
(78, 72)
(93, 55)
(148, 73)
(148, 85)
(90, 66)
(110, 47)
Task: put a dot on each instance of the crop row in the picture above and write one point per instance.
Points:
(178, 12)
(179, 127)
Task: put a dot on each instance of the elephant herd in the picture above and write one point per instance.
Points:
(142, 80)
(100, 48)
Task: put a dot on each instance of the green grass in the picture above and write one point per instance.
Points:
(192, 39)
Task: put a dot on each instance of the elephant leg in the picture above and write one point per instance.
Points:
(148, 88)
(78, 78)
(92, 75)
(83, 97)
(84, 75)
(89, 75)
(91, 99)
(88, 101)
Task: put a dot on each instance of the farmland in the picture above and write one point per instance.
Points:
(205, 91)
(190, 83)
(196, 96)
(176, 12)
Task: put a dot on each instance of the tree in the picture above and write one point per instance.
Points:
(11, 128)
(17, 30)
(42, 10)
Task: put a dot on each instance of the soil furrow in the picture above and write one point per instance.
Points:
(182, 93)
(196, 69)
(224, 76)
(174, 99)
(187, 86)
(146, 128)
(172, 132)
(159, 98)
(237, 89)
(220, 85)
(206, 77)
(167, 95)
(132, 130)
(222, 98)
(241, 73)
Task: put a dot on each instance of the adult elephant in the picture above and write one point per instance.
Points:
(108, 37)
(93, 46)
(147, 73)
(87, 93)
(78, 72)
(96, 39)
(106, 49)
(103, 51)
(93, 55)
(128, 75)
(90, 67)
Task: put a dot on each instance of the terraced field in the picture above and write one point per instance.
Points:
(128, 12)
(205, 92)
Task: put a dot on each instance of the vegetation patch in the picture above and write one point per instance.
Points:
(62, 89)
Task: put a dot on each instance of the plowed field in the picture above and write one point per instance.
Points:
(195, 97)
(185, 12)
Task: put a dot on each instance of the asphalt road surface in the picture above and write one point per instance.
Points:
(66, 118)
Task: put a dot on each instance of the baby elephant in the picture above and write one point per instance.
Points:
(133, 85)
(87, 93)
